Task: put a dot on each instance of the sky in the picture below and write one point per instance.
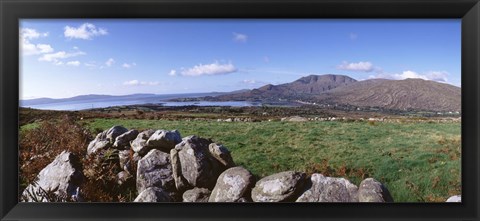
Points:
(62, 58)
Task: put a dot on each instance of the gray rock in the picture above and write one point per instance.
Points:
(371, 190)
(328, 189)
(153, 194)
(124, 160)
(139, 145)
(180, 183)
(243, 200)
(60, 179)
(454, 199)
(99, 143)
(105, 139)
(155, 170)
(114, 132)
(196, 195)
(196, 162)
(232, 184)
(164, 140)
(123, 178)
(279, 187)
(123, 141)
(222, 154)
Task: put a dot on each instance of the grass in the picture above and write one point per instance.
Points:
(418, 162)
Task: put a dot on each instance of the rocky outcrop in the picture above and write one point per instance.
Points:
(196, 195)
(155, 170)
(279, 187)
(153, 195)
(371, 190)
(328, 189)
(232, 185)
(162, 167)
(58, 181)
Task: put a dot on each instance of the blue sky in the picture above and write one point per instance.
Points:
(64, 58)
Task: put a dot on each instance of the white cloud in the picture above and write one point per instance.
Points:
(29, 33)
(110, 62)
(141, 83)
(56, 58)
(85, 31)
(240, 37)
(126, 65)
(73, 63)
(172, 72)
(249, 81)
(209, 69)
(364, 66)
(28, 48)
(438, 76)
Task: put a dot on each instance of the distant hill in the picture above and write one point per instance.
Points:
(299, 89)
(405, 94)
(39, 101)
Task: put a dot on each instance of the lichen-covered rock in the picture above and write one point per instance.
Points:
(123, 141)
(196, 195)
(279, 187)
(454, 199)
(58, 181)
(232, 184)
(139, 145)
(328, 189)
(155, 170)
(196, 163)
(124, 178)
(180, 183)
(164, 140)
(124, 160)
(222, 154)
(154, 194)
(99, 143)
(371, 190)
(105, 139)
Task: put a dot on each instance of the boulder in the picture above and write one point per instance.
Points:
(153, 194)
(114, 132)
(164, 140)
(123, 141)
(221, 154)
(99, 143)
(328, 189)
(196, 195)
(232, 184)
(155, 170)
(197, 166)
(124, 178)
(180, 183)
(371, 190)
(105, 139)
(139, 144)
(124, 160)
(59, 181)
(279, 187)
(454, 199)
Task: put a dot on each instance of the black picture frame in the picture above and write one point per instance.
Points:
(13, 10)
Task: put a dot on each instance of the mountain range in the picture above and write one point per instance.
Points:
(408, 94)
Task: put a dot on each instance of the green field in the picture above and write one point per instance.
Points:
(418, 162)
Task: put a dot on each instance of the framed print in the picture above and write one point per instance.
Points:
(241, 110)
